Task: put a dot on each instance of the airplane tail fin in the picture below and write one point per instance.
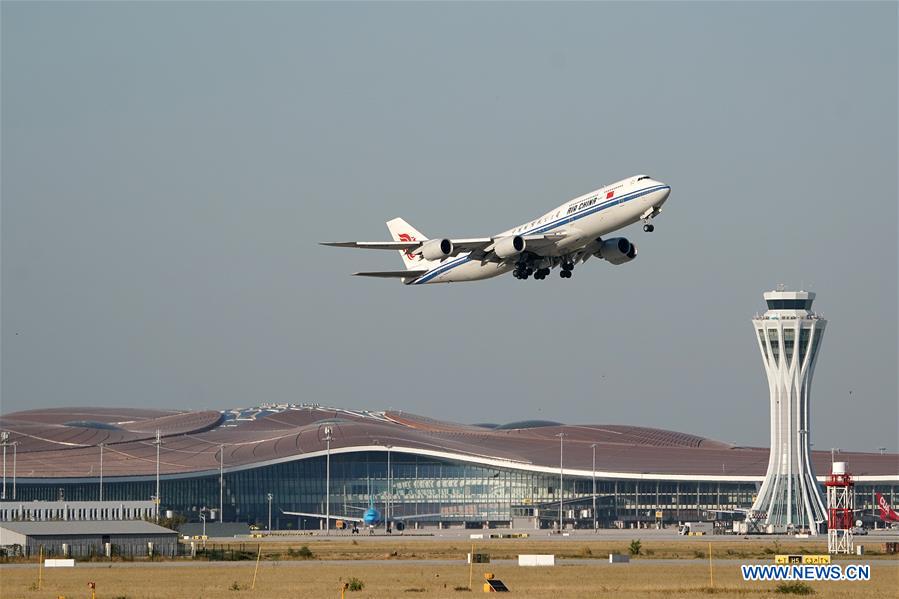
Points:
(887, 514)
(400, 230)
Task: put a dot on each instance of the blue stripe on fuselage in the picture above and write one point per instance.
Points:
(439, 270)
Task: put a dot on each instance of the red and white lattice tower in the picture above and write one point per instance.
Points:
(840, 509)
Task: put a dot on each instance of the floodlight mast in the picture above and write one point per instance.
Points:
(561, 437)
(221, 483)
(595, 528)
(157, 443)
(101, 445)
(328, 482)
(4, 441)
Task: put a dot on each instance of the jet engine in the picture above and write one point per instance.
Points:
(436, 249)
(617, 250)
(509, 246)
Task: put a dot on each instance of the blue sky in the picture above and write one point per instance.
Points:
(168, 169)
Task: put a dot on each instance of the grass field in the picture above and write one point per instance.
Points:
(408, 579)
(398, 568)
(418, 549)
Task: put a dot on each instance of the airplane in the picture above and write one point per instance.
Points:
(565, 236)
(372, 518)
(887, 514)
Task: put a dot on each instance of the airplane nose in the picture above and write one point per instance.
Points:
(663, 194)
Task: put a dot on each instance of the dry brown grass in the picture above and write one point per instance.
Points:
(300, 579)
(428, 548)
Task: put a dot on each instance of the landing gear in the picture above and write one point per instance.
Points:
(541, 273)
(649, 228)
(522, 271)
(567, 267)
(565, 274)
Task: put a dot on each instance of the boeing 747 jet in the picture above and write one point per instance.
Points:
(563, 237)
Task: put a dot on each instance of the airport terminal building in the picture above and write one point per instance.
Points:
(422, 471)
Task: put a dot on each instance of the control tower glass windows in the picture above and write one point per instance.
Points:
(775, 343)
(761, 333)
(789, 304)
(788, 343)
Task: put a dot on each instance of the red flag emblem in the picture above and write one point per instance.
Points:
(610, 195)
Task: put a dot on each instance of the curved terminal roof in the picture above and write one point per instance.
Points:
(64, 443)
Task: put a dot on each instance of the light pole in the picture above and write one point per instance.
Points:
(157, 443)
(203, 518)
(561, 479)
(328, 482)
(101, 471)
(4, 441)
(594, 486)
(221, 483)
(15, 447)
(270, 496)
(389, 492)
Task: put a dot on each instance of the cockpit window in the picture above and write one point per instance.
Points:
(643, 177)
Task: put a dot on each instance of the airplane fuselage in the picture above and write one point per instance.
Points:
(582, 220)
(372, 517)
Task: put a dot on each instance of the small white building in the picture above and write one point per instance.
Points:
(80, 539)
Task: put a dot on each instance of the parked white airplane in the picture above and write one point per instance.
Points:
(563, 237)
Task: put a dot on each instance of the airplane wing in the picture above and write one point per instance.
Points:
(419, 516)
(478, 248)
(332, 517)
(374, 245)
(390, 274)
(534, 244)
(460, 246)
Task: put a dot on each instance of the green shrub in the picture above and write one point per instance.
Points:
(303, 552)
(794, 588)
(355, 584)
(635, 547)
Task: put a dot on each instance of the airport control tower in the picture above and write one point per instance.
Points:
(789, 335)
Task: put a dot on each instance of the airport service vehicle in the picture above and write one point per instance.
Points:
(563, 237)
(694, 528)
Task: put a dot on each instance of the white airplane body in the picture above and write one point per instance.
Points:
(564, 236)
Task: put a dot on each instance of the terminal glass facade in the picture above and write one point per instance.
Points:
(432, 490)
